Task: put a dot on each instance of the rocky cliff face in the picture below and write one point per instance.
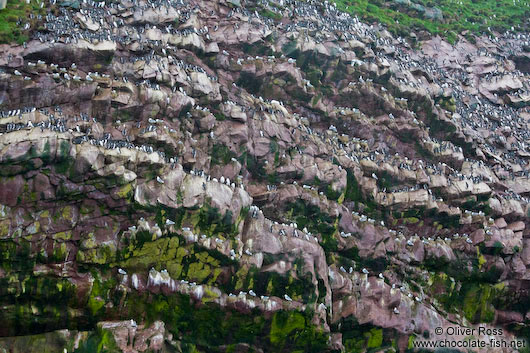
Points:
(239, 176)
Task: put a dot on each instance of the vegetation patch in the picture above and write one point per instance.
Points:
(443, 17)
(99, 341)
(296, 283)
(181, 260)
(293, 332)
(14, 17)
(476, 301)
(270, 14)
(351, 257)
(362, 338)
(365, 204)
(386, 180)
(209, 327)
(420, 216)
(310, 216)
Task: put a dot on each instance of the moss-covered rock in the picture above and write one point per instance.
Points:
(52, 342)
(182, 261)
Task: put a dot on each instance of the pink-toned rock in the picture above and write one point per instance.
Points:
(336, 341)
(10, 189)
(42, 186)
(517, 226)
(500, 223)
(507, 317)
(133, 338)
(518, 267)
(15, 151)
(509, 240)
(503, 84)
(525, 253)
(261, 146)
(478, 236)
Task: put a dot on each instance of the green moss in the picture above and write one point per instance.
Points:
(478, 305)
(101, 255)
(452, 38)
(249, 82)
(260, 48)
(289, 48)
(279, 82)
(481, 259)
(472, 15)
(60, 252)
(354, 193)
(339, 70)
(4, 228)
(291, 331)
(205, 220)
(198, 271)
(221, 154)
(422, 151)
(296, 283)
(211, 222)
(387, 180)
(478, 203)
(315, 99)
(36, 302)
(411, 342)
(255, 166)
(362, 338)
(350, 257)
(100, 341)
(275, 150)
(17, 10)
(63, 161)
(415, 216)
(332, 194)
(375, 338)
(441, 287)
(411, 220)
(204, 326)
(16, 257)
(51, 342)
(219, 116)
(95, 304)
(100, 294)
(283, 324)
(448, 104)
(207, 326)
(314, 75)
(310, 216)
(182, 261)
(472, 298)
(270, 14)
(46, 153)
(126, 191)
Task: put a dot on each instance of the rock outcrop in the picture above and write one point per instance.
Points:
(242, 176)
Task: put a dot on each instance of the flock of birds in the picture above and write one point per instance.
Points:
(313, 21)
